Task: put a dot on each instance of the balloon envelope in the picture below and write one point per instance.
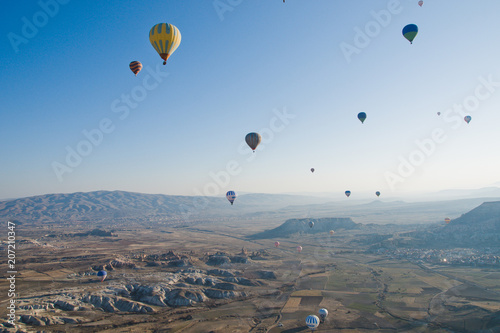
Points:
(135, 67)
(276, 244)
(323, 313)
(420, 3)
(447, 220)
(165, 38)
(362, 117)
(102, 274)
(231, 195)
(377, 193)
(467, 119)
(312, 169)
(311, 224)
(348, 193)
(312, 322)
(253, 140)
(410, 32)
(299, 248)
(332, 232)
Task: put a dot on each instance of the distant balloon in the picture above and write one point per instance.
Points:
(299, 249)
(277, 244)
(231, 195)
(323, 313)
(312, 322)
(362, 117)
(377, 193)
(420, 3)
(439, 113)
(102, 274)
(410, 32)
(312, 169)
(165, 38)
(253, 140)
(332, 232)
(447, 220)
(467, 119)
(348, 193)
(135, 67)
(311, 224)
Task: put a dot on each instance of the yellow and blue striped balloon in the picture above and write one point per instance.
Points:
(410, 32)
(135, 67)
(165, 38)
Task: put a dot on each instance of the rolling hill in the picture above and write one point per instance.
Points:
(294, 226)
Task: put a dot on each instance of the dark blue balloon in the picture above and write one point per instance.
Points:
(410, 31)
(362, 116)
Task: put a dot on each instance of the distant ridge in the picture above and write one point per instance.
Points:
(485, 215)
(98, 205)
(491, 191)
(293, 226)
(112, 205)
(478, 228)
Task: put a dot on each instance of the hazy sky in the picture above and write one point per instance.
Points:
(298, 73)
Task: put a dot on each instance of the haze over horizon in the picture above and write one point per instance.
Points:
(356, 198)
(298, 73)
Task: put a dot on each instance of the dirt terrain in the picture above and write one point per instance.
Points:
(209, 277)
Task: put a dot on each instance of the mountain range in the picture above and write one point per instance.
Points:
(111, 206)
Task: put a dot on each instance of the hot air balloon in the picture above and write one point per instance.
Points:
(377, 193)
(348, 193)
(467, 119)
(420, 3)
(439, 113)
(332, 232)
(277, 244)
(165, 39)
(312, 322)
(312, 169)
(231, 195)
(102, 274)
(410, 32)
(135, 67)
(323, 313)
(447, 220)
(253, 140)
(299, 249)
(311, 224)
(362, 117)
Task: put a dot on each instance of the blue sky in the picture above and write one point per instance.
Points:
(250, 66)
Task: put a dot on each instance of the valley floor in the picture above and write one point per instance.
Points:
(177, 279)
